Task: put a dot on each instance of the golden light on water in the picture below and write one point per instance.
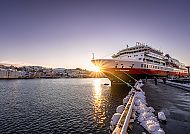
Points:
(99, 105)
(97, 88)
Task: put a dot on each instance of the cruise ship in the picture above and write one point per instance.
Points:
(139, 62)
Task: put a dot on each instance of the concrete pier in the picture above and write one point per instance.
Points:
(173, 101)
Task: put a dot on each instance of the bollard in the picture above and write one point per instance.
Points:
(155, 80)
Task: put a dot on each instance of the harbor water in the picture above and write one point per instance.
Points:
(57, 105)
(81, 106)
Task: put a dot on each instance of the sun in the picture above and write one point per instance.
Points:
(96, 72)
(96, 69)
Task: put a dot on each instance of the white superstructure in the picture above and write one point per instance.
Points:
(141, 61)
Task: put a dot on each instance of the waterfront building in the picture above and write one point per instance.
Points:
(77, 73)
(10, 73)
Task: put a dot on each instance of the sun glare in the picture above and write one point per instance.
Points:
(96, 69)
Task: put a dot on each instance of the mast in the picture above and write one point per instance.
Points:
(93, 56)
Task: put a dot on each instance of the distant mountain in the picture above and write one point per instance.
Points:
(8, 64)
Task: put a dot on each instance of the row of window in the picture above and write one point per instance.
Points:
(151, 66)
(153, 57)
(132, 52)
(134, 55)
(154, 61)
(138, 48)
(121, 66)
(155, 67)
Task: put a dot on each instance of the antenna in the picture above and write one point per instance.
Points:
(93, 56)
(127, 46)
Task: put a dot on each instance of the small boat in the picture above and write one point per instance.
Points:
(106, 84)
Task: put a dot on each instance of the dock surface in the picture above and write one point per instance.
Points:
(174, 102)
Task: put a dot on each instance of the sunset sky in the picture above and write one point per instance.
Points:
(65, 33)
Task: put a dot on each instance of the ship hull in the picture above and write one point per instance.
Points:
(122, 71)
(130, 75)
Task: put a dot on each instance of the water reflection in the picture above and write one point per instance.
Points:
(99, 103)
(97, 88)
